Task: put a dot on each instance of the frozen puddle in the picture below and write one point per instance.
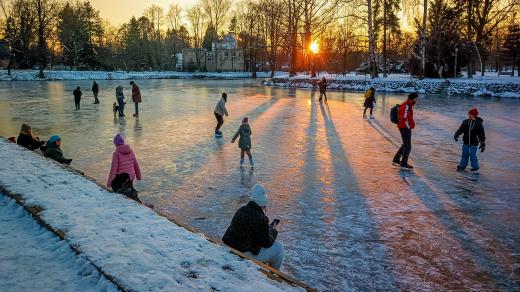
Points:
(139, 249)
(34, 259)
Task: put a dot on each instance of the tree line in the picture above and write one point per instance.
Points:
(426, 38)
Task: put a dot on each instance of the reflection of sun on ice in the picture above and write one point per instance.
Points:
(314, 47)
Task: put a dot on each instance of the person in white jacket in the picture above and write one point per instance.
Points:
(220, 111)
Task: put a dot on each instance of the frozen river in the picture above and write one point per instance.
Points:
(350, 220)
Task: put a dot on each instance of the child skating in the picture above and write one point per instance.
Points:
(220, 111)
(244, 143)
(370, 99)
(472, 130)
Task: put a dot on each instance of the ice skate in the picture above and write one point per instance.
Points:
(241, 163)
(406, 167)
(372, 117)
(364, 117)
(475, 171)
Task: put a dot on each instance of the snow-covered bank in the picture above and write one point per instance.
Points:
(34, 259)
(139, 249)
(31, 75)
(498, 86)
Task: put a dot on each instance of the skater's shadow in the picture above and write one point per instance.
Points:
(247, 178)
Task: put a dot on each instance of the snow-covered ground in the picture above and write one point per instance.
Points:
(141, 250)
(350, 220)
(32, 75)
(34, 259)
(488, 85)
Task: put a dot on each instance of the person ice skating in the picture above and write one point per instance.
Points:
(244, 143)
(220, 111)
(120, 97)
(136, 97)
(251, 233)
(322, 84)
(370, 99)
(95, 91)
(77, 96)
(122, 184)
(123, 160)
(406, 125)
(27, 140)
(472, 130)
(54, 150)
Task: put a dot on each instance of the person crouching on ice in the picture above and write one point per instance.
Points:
(251, 233)
(473, 134)
(244, 143)
(53, 150)
(123, 160)
(220, 111)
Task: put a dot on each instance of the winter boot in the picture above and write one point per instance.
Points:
(372, 117)
(475, 171)
(252, 163)
(459, 168)
(364, 116)
(241, 163)
(396, 162)
(407, 167)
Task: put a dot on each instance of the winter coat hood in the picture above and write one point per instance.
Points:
(124, 150)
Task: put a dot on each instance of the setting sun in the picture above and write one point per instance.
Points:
(314, 47)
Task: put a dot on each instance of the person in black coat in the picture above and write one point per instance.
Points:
(27, 140)
(473, 135)
(95, 91)
(251, 233)
(77, 96)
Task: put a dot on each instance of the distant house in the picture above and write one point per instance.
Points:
(4, 54)
(225, 56)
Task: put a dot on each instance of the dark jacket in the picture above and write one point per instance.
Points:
(473, 131)
(245, 136)
(249, 230)
(29, 142)
(322, 84)
(54, 152)
(77, 94)
(370, 99)
(95, 87)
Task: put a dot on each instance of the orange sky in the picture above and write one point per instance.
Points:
(120, 11)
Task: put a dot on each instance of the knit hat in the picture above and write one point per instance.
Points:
(54, 139)
(259, 195)
(25, 128)
(119, 140)
(473, 112)
(245, 120)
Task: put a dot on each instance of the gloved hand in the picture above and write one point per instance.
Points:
(68, 161)
(482, 147)
(456, 138)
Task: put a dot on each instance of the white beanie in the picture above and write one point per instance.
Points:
(259, 195)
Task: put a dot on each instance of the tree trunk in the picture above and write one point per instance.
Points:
(423, 38)
(371, 43)
(384, 39)
(470, 37)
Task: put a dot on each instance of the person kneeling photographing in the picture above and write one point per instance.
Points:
(251, 233)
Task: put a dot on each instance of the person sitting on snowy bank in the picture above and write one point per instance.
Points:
(27, 140)
(473, 134)
(123, 161)
(251, 233)
(54, 151)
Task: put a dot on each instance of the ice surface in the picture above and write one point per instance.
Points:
(34, 259)
(349, 219)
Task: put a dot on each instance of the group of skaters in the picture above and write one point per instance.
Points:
(250, 231)
(119, 105)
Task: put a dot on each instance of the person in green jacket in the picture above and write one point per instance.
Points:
(244, 143)
(54, 151)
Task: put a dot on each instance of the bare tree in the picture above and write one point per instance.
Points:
(217, 12)
(46, 13)
(371, 42)
(198, 24)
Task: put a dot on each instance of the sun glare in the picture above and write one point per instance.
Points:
(314, 47)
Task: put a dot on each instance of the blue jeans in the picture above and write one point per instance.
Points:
(121, 104)
(469, 153)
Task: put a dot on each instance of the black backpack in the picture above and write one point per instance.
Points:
(394, 114)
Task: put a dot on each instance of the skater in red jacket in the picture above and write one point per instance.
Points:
(405, 125)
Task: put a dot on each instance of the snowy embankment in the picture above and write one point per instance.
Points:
(31, 75)
(499, 86)
(34, 259)
(135, 247)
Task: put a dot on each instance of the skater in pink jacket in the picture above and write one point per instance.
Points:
(123, 160)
